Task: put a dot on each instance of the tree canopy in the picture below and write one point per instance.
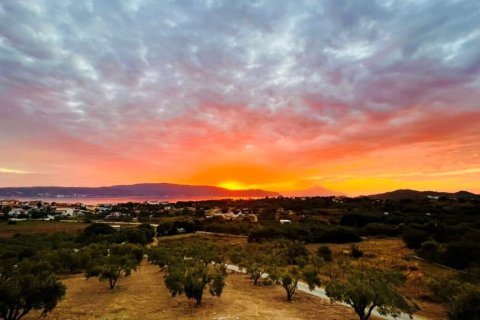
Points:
(119, 261)
(191, 268)
(26, 287)
(369, 289)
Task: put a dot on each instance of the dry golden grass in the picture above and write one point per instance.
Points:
(38, 226)
(393, 254)
(217, 238)
(144, 296)
(384, 253)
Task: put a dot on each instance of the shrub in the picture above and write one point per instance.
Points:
(431, 250)
(325, 253)
(461, 255)
(413, 238)
(376, 229)
(466, 305)
(336, 234)
(359, 220)
(356, 252)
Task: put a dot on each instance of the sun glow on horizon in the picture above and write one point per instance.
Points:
(233, 185)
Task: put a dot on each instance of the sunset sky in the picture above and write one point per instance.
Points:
(355, 96)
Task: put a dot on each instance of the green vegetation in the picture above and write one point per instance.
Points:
(26, 287)
(288, 278)
(118, 261)
(369, 289)
(29, 264)
(462, 299)
(256, 260)
(325, 253)
(190, 268)
(441, 231)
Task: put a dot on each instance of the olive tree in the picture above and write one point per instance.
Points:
(26, 287)
(191, 268)
(369, 289)
(256, 259)
(192, 278)
(289, 277)
(119, 261)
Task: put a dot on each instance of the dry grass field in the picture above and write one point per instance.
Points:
(144, 296)
(38, 226)
(393, 254)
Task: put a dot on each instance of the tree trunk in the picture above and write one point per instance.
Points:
(290, 292)
(198, 300)
(369, 313)
(113, 281)
(361, 315)
(289, 296)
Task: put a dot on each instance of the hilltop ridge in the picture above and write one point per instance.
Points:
(141, 189)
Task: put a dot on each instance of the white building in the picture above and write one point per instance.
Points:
(16, 212)
(67, 212)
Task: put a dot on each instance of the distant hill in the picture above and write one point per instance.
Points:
(139, 190)
(315, 191)
(413, 194)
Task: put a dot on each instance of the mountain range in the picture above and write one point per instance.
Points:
(314, 191)
(414, 194)
(143, 190)
(179, 190)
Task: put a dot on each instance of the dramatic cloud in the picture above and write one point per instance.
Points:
(357, 94)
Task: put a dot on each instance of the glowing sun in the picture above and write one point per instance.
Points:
(232, 185)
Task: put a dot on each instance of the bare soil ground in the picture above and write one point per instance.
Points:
(144, 296)
(38, 226)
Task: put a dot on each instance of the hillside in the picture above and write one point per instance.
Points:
(314, 191)
(416, 195)
(144, 190)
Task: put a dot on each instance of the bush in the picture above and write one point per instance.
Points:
(96, 232)
(325, 253)
(98, 229)
(171, 227)
(414, 238)
(461, 255)
(360, 220)
(466, 305)
(356, 252)
(376, 229)
(431, 250)
(461, 298)
(339, 235)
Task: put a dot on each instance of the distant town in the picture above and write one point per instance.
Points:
(19, 210)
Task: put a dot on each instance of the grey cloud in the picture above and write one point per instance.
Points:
(96, 66)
